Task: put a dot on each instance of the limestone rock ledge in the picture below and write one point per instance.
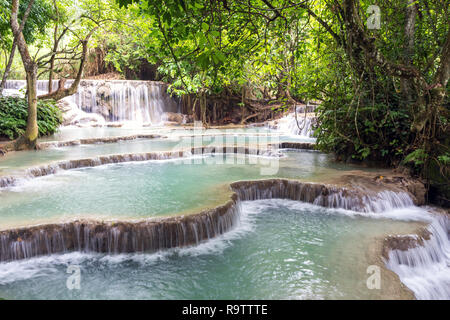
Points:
(155, 234)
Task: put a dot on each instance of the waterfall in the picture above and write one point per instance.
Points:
(157, 234)
(322, 195)
(15, 84)
(100, 101)
(142, 102)
(304, 127)
(288, 124)
(13, 87)
(380, 202)
(119, 237)
(425, 268)
(422, 264)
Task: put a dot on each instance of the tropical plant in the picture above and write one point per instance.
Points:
(13, 117)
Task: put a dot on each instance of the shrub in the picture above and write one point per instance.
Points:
(13, 117)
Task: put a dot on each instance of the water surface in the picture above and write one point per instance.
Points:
(281, 250)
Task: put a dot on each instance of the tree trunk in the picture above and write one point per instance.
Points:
(243, 105)
(28, 140)
(407, 84)
(55, 48)
(8, 66)
(50, 74)
(203, 107)
(32, 131)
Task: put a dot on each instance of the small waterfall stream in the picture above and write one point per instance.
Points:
(425, 269)
(42, 86)
(304, 128)
(288, 124)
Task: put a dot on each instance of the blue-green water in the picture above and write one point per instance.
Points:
(281, 250)
(14, 162)
(147, 189)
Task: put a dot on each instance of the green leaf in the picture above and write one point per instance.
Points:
(220, 56)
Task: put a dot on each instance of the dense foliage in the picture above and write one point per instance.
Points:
(383, 91)
(379, 87)
(13, 117)
(39, 19)
(40, 15)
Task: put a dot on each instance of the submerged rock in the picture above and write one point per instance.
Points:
(177, 118)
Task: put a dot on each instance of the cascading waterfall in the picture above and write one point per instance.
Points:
(15, 84)
(387, 200)
(142, 102)
(100, 101)
(14, 87)
(118, 237)
(163, 233)
(321, 195)
(423, 265)
(304, 128)
(380, 202)
(425, 268)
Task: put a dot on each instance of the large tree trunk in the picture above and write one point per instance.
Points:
(55, 48)
(28, 140)
(243, 105)
(32, 132)
(203, 108)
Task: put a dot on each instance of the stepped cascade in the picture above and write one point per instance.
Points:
(150, 235)
(247, 150)
(141, 102)
(145, 103)
(153, 235)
